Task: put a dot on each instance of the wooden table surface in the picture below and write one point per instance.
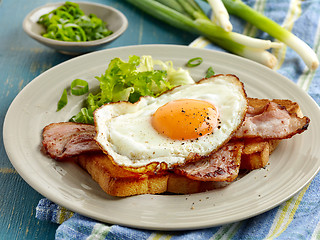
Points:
(21, 60)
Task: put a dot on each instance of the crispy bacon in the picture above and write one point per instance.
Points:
(64, 140)
(220, 166)
(274, 122)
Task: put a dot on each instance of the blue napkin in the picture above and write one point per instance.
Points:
(297, 218)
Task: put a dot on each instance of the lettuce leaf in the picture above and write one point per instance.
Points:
(128, 81)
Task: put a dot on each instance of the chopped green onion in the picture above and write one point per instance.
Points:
(210, 72)
(193, 62)
(79, 87)
(69, 23)
(63, 100)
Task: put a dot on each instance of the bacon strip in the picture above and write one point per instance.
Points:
(221, 166)
(275, 122)
(66, 139)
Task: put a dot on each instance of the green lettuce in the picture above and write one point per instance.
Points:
(128, 81)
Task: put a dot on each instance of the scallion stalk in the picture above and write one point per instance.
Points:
(173, 4)
(220, 14)
(194, 20)
(240, 9)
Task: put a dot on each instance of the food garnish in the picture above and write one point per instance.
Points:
(210, 72)
(128, 81)
(79, 87)
(193, 62)
(63, 100)
(69, 23)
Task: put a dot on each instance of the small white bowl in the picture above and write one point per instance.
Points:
(116, 22)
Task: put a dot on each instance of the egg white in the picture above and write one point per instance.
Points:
(124, 130)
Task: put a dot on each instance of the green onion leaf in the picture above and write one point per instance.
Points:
(79, 87)
(193, 62)
(210, 72)
(63, 100)
(69, 23)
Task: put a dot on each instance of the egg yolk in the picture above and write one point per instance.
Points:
(185, 119)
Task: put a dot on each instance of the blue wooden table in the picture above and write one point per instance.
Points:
(21, 60)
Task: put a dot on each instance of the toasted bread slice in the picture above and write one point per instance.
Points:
(117, 181)
(120, 182)
(256, 152)
(180, 184)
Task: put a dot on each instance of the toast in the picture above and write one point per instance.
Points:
(120, 182)
(117, 181)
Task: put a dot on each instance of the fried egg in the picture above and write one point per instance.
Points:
(190, 119)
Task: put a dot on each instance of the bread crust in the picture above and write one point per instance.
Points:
(119, 182)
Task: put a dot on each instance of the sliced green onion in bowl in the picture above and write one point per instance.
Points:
(69, 23)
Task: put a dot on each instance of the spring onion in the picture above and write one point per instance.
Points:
(187, 15)
(63, 100)
(79, 87)
(193, 62)
(193, 19)
(240, 9)
(69, 23)
(210, 72)
(220, 14)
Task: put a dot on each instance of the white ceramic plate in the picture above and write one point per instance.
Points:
(294, 163)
